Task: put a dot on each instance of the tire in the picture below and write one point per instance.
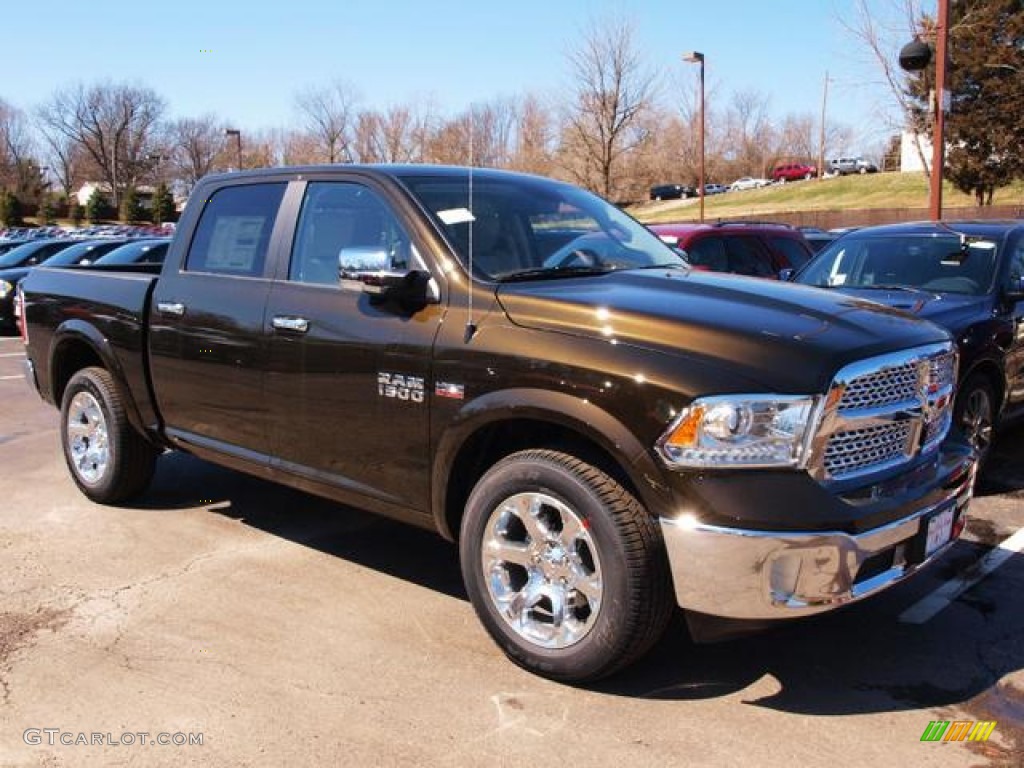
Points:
(109, 461)
(974, 414)
(587, 593)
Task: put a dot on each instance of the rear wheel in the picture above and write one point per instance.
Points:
(108, 459)
(564, 567)
(974, 413)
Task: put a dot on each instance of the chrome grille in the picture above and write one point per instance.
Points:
(898, 384)
(853, 450)
(884, 411)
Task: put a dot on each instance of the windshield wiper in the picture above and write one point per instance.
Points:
(885, 287)
(546, 272)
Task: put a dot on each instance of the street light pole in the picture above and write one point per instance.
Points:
(939, 130)
(821, 140)
(915, 56)
(238, 143)
(695, 57)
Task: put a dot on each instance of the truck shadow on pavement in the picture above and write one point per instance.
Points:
(860, 659)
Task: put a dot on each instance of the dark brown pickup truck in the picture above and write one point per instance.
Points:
(520, 366)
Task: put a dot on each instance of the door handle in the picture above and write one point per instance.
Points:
(171, 308)
(284, 323)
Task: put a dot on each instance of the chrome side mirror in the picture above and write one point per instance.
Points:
(368, 269)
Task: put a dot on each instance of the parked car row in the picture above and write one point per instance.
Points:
(17, 261)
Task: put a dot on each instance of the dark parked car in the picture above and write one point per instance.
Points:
(672, 192)
(137, 252)
(743, 248)
(15, 264)
(965, 276)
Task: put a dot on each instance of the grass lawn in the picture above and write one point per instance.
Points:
(876, 190)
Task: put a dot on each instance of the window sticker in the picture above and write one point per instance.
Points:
(234, 243)
(456, 216)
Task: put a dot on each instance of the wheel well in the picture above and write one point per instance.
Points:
(71, 357)
(491, 443)
(990, 371)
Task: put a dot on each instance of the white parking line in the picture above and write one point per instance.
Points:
(929, 606)
(12, 354)
(10, 378)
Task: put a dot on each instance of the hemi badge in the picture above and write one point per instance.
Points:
(449, 390)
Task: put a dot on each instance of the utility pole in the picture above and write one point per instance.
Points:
(821, 137)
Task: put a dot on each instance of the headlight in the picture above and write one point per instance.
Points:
(741, 431)
(5, 289)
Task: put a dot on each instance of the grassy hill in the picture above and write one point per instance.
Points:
(872, 191)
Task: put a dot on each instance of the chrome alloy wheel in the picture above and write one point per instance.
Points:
(976, 420)
(87, 438)
(542, 570)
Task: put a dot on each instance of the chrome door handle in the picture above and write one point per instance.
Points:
(171, 308)
(284, 323)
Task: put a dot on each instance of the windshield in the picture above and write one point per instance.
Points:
(16, 257)
(148, 251)
(532, 228)
(936, 263)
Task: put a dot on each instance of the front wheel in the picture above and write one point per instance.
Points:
(108, 459)
(564, 567)
(974, 413)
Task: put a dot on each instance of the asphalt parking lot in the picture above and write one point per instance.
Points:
(280, 629)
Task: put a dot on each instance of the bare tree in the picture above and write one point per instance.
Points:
(533, 150)
(612, 91)
(19, 171)
(65, 156)
(883, 28)
(329, 114)
(196, 147)
(114, 124)
(400, 134)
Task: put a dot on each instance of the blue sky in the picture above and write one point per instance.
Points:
(246, 61)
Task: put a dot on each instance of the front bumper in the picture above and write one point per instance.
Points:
(747, 573)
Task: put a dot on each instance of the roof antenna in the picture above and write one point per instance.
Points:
(470, 325)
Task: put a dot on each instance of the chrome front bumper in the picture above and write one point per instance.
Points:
(746, 574)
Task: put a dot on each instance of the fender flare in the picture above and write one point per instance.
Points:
(571, 412)
(79, 331)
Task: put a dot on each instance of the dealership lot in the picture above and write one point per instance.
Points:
(286, 630)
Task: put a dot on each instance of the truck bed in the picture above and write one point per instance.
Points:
(108, 308)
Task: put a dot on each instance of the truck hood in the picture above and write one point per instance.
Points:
(953, 311)
(784, 337)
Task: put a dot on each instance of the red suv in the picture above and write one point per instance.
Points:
(793, 171)
(741, 247)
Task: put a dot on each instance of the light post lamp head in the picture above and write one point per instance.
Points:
(915, 55)
(694, 57)
(237, 134)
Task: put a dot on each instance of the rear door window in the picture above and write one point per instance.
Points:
(233, 234)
